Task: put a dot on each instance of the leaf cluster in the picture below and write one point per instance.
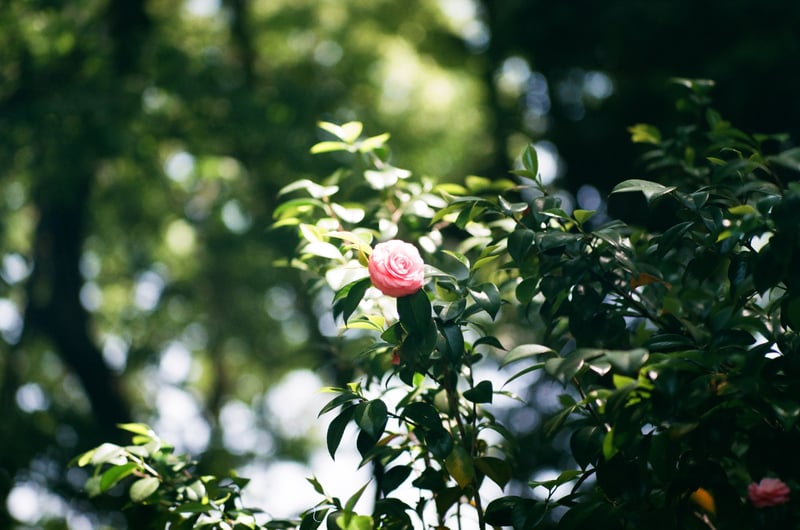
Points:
(677, 349)
(154, 476)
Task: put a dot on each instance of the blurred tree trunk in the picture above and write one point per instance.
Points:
(67, 112)
(55, 310)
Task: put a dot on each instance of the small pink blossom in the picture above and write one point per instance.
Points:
(396, 268)
(768, 492)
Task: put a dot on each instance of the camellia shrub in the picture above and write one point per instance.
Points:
(675, 343)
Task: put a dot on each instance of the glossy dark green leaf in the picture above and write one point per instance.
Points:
(526, 290)
(415, 313)
(498, 470)
(339, 400)
(348, 297)
(555, 239)
(394, 477)
(438, 441)
(487, 296)
(336, 429)
(371, 416)
(586, 444)
(519, 243)
(480, 393)
(313, 519)
(430, 479)
(453, 342)
(664, 342)
(488, 340)
(422, 413)
(453, 310)
(498, 512)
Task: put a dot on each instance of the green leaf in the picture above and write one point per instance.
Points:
(789, 159)
(530, 161)
(351, 502)
(415, 312)
(644, 133)
(488, 298)
(317, 191)
(565, 368)
(143, 488)
(108, 453)
(459, 465)
(511, 208)
(519, 243)
(327, 147)
(313, 519)
(373, 142)
(116, 473)
(342, 398)
(499, 511)
(453, 342)
(609, 449)
(323, 250)
(137, 428)
(348, 297)
(92, 486)
(627, 361)
(393, 477)
(583, 215)
(371, 416)
(351, 130)
(651, 190)
(393, 334)
(489, 340)
(354, 522)
(524, 351)
(438, 441)
(526, 290)
(498, 470)
(336, 429)
(480, 393)
(742, 209)
(423, 414)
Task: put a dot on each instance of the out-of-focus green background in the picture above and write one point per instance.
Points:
(142, 145)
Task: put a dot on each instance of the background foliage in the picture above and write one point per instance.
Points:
(144, 144)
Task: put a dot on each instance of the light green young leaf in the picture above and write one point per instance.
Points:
(108, 453)
(644, 133)
(583, 215)
(328, 147)
(651, 190)
(351, 131)
(323, 250)
(143, 488)
(137, 428)
(316, 191)
(354, 522)
(373, 142)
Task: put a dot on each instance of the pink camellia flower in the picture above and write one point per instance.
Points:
(768, 492)
(396, 268)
